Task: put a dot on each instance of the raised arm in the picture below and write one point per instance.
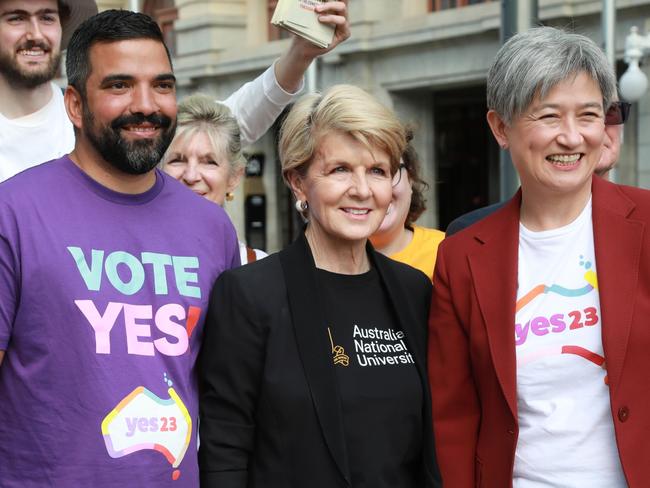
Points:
(259, 102)
(231, 364)
(455, 405)
(291, 66)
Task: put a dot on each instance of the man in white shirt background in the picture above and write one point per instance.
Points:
(34, 127)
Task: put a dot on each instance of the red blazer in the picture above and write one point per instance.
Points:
(472, 341)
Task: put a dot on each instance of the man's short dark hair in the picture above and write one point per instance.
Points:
(108, 26)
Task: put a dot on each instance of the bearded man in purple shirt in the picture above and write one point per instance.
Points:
(106, 265)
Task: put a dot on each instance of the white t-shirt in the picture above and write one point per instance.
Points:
(35, 138)
(243, 253)
(47, 134)
(566, 432)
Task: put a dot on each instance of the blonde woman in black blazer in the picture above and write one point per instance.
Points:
(314, 362)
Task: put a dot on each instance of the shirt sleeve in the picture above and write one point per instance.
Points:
(258, 103)
(235, 260)
(9, 276)
(232, 244)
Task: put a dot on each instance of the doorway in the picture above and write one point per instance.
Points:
(466, 154)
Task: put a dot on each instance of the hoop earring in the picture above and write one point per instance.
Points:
(230, 196)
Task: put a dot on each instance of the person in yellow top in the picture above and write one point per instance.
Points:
(398, 237)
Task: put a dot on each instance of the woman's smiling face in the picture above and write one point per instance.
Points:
(556, 143)
(347, 186)
(204, 169)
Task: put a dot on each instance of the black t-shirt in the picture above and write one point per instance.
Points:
(381, 393)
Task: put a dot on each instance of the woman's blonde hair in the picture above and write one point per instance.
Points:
(343, 108)
(200, 113)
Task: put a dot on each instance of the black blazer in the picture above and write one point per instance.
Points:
(472, 217)
(270, 407)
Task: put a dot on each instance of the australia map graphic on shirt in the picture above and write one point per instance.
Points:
(142, 420)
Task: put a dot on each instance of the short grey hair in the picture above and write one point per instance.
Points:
(200, 113)
(532, 63)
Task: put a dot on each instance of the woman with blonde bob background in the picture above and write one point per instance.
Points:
(206, 155)
(313, 362)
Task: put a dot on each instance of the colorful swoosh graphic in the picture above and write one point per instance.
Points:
(590, 278)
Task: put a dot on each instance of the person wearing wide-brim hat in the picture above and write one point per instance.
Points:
(77, 12)
(32, 116)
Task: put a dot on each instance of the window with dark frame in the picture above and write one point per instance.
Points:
(437, 5)
(165, 14)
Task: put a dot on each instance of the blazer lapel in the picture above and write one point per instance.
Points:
(494, 270)
(314, 346)
(617, 242)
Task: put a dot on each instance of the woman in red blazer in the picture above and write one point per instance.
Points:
(539, 337)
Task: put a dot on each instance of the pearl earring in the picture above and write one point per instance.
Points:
(301, 206)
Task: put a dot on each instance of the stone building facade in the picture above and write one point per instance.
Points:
(425, 58)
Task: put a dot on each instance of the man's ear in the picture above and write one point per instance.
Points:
(498, 127)
(74, 106)
(297, 183)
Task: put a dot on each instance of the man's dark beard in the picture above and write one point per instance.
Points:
(137, 157)
(19, 77)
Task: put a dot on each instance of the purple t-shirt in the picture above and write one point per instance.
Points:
(102, 301)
